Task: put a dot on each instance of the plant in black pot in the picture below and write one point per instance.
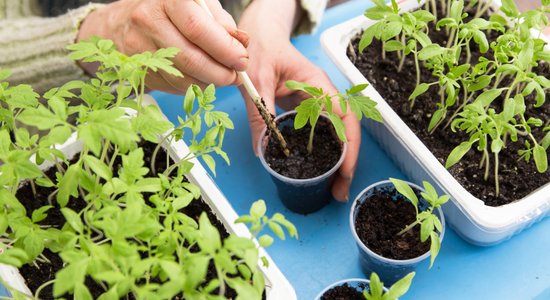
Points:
(392, 222)
(363, 289)
(315, 136)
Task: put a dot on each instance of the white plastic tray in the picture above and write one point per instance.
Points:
(277, 286)
(476, 222)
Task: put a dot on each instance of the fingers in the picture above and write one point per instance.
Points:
(227, 21)
(193, 61)
(342, 183)
(197, 26)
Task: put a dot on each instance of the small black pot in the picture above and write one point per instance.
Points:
(302, 196)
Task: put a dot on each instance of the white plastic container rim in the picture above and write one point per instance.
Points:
(493, 220)
(277, 286)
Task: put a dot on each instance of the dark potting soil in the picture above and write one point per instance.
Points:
(45, 272)
(300, 164)
(344, 292)
(380, 219)
(517, 178)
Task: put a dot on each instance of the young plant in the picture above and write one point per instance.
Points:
(484, 97)
(398, 289)
(310, 109)
(430, 226)
(132, 233)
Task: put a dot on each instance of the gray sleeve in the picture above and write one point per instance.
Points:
(34, 47)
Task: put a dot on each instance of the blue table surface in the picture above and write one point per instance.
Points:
(516, 269)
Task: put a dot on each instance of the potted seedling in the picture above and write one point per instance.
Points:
(315, 136)
(462, 87)
(373, 289)
(396, 226)
(121, 208)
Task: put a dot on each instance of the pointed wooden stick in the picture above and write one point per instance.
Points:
(256, 98)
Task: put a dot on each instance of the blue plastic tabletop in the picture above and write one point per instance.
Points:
(516, 269)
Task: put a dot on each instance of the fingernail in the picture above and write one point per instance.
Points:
(242, 36)
(242, 65)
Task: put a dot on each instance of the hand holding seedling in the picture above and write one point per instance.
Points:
(273, 61)
(211, 49)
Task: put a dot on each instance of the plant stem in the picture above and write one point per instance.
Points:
(434, 9)
(486, 155)
(409, 227)
(40, 288)
(496, 174)
(310, 141)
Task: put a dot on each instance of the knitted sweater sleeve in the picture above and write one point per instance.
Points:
(34, 47)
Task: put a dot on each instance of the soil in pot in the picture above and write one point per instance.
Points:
(327, 150)
(517, 178)
(381, 217)
(36, 276)
(344, 292)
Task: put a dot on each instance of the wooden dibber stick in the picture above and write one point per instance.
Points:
(256, 99)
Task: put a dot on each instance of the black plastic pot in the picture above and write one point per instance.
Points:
(389, 270)
(302, 196)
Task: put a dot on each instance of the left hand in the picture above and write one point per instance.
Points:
(273, 61)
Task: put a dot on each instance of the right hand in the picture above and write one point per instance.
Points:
(211, 48)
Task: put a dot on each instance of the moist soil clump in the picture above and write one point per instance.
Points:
(36, 276)
(344, 292)
(380, 219)
(301, 164)
(516, 177)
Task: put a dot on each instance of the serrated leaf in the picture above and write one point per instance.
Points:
(405, 189)
(430, 51)
(98, 167)
(339, 127)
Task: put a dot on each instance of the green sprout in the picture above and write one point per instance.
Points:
(398, 289)
(430, 225)
(310, 109)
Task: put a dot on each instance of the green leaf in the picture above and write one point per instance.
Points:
(81, 292)
(73, 219)
(364, 106)
(308, 109)
(436, 118)
(419, 90)
(40, 118)
(509, 8)
(487, 97)
(457, 7)
(265, 241)
(400, 288)
(68, 185)
(435, 245)
(14, 256)
(339, 127)
(394, 45)
(258, 209)
(541, 160)
(458, 152)
(367, 37)
(210, 162)
(98, 167)
(376, 286)
(391, 30)
(430, 51)
(277, 230)
(296, 85)
(405, 189)
(40, 214)
(356, 89)
(426, 227)
(210, 240)
(69, 276)
(480, 83)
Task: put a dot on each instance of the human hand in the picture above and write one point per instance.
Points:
(273, 61)
(211, 48)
